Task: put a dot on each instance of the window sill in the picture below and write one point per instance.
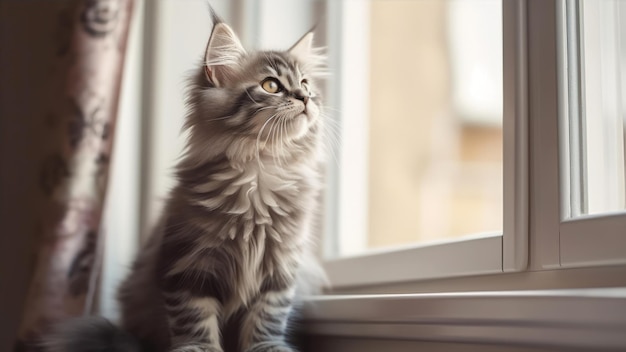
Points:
(581, 318)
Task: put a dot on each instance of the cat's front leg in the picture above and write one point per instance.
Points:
(265, 323)
(194, 322)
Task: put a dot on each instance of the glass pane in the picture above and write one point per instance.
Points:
(434, 141)
(597, 54)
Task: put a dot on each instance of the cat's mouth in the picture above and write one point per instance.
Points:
(294, 124)
(302, 113)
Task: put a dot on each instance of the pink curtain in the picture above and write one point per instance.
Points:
(83, 97)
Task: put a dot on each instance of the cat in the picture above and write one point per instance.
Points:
(229, 256)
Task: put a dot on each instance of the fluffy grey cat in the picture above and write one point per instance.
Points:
(224, 266)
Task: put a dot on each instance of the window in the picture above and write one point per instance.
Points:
(421, 99)
(563, 152)
(596, 54)
(421, 119)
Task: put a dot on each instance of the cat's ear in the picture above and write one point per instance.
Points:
(223, 54)
(303, 49)
(312, 58)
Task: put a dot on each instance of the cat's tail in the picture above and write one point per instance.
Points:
(90, 334)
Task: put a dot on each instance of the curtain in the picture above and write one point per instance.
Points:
(84, 88)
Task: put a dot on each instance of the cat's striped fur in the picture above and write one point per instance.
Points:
(222, 269)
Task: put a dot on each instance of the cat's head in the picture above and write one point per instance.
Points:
(256, 101)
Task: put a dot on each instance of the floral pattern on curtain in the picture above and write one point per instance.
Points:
(90, 43)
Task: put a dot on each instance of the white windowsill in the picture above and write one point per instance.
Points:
(581, 318)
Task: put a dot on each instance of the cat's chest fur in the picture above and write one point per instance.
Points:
(257, 194)
(258, 214)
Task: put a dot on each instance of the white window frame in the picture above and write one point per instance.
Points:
(473, 255)
(585, 240)
(561, 241)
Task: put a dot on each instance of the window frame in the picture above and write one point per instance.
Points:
(472, 255)
(537, 235)
(577, 246)
(558, 242)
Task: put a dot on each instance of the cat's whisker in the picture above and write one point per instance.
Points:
(251, 98)
(287, 143)
(273, 143)
(333, 122)
(334, 127)
(276, 147)
(331, 133)
(269, 134)
(263, 108)
(325, 107)
(281, 156)
(220, 118)
(334, 116)
(277, 142)
(332, 151)
(258, 138)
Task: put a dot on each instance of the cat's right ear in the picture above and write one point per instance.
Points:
(223, 54)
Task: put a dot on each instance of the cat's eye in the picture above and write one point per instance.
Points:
(271, 85)
(305, 84)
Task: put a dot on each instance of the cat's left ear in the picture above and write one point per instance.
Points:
(223, 54)
(303, 49)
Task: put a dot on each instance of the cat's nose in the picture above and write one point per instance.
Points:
(300, 94)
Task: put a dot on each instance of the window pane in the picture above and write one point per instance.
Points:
(597, 106)
(434, 139)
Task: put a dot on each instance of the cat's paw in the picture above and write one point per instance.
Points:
(270, 346)
(197, 348)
